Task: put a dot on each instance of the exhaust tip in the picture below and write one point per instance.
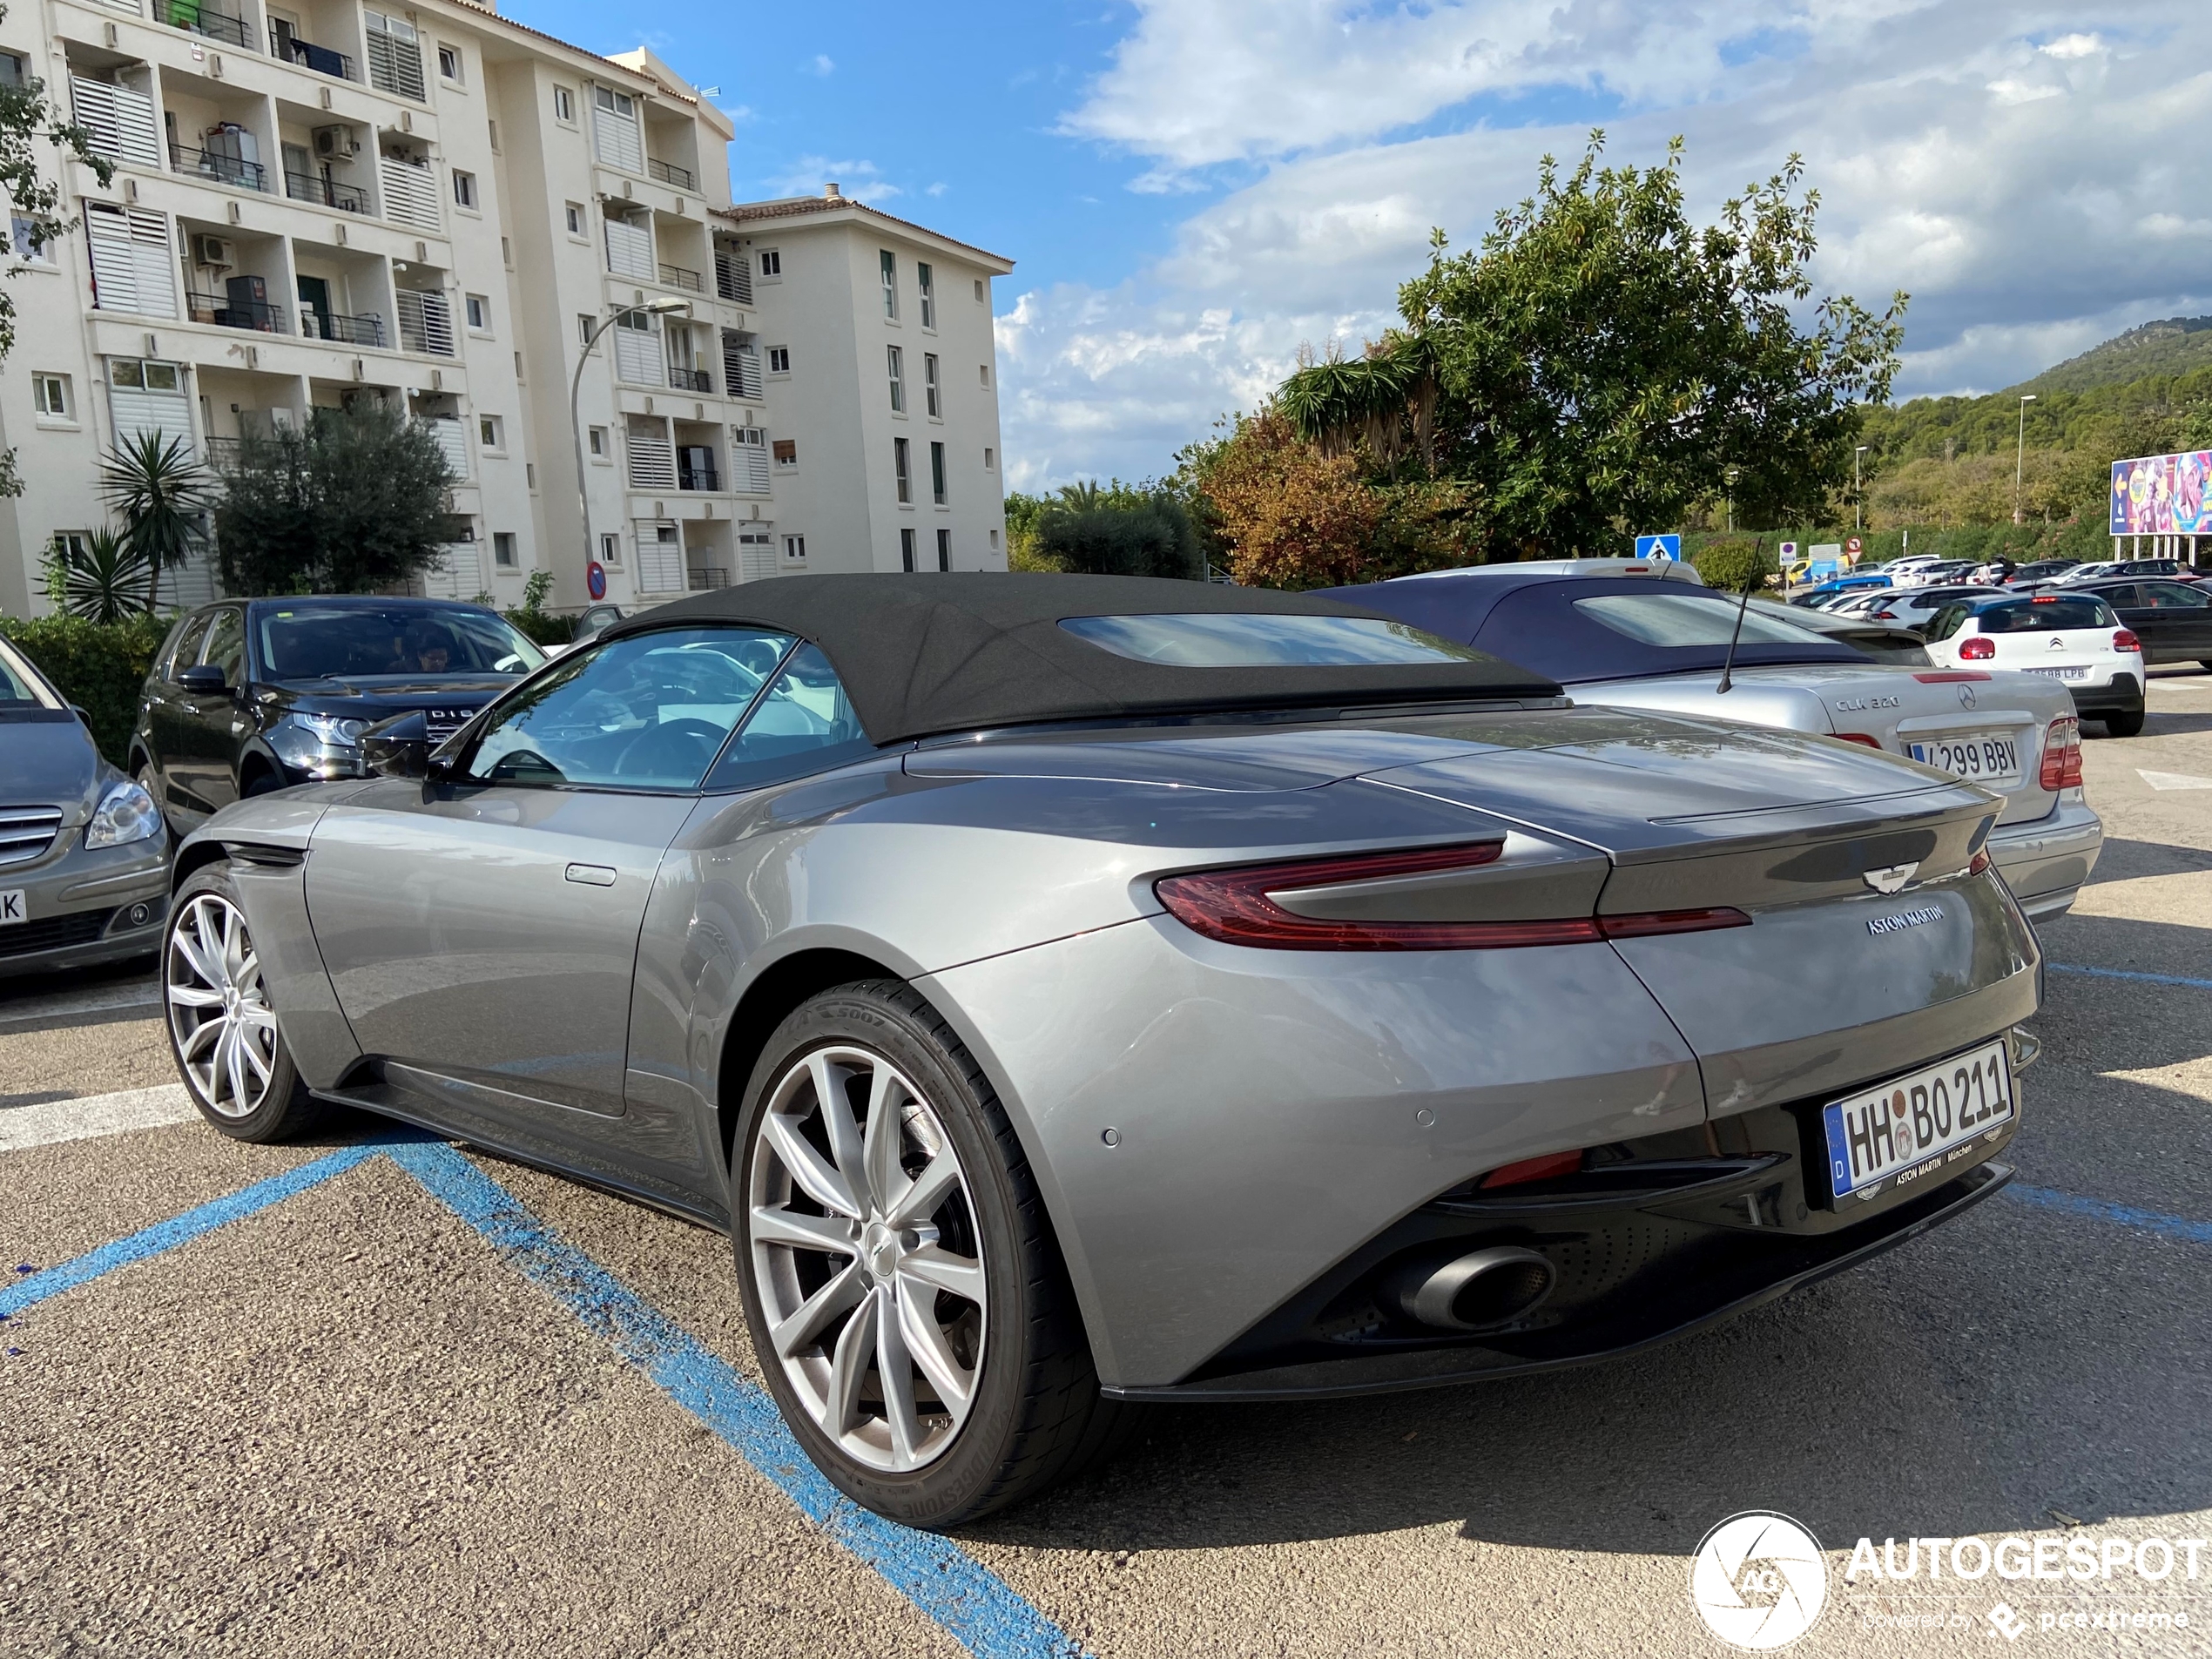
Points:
(1479, 1290)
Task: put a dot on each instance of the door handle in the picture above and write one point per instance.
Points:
(591, 875)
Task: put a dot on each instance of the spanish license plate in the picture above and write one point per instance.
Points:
(14, 906)
(2062, 673)
(1913, 1128)
(1978, 757)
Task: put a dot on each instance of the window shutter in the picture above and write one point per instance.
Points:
(630, 251)
(135, 408)
(638, 354)
(748, 459)
(614, 130)
(394, 56)
(660, 557)
(132, 267)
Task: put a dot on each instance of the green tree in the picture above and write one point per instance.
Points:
(1601, 361)
(103, 581)
(357, 499)
(26, 118)
(1114, 529)
(164, 495)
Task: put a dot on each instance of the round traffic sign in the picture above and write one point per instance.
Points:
(1853, 546)
(595, 579)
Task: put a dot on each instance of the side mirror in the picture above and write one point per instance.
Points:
(399, 747)
(83, 714)
(204, 678)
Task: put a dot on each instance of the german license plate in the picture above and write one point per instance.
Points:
(1913, 1128)
(1978, 757)
(14, 907)
(2062, 673)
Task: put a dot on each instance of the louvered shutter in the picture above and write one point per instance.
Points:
(614, 130)
(630, 251)
(166, 413)
(132, 267)
(638, 354)
(748, 459)
(660, 557)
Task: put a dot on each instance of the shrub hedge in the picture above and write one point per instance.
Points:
(98, 666)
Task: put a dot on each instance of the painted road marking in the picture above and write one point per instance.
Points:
(89, 1116)
(2172, 780)
(973, 1604)
(2153, 1221)
(2129, 974)
(63, 1005)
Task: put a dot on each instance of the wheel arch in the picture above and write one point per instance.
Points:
(779, 987)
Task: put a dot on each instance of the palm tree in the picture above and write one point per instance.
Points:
(164, 495)
(1386, 398)
(101, 582)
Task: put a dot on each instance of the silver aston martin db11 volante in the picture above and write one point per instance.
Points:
(1073, 991)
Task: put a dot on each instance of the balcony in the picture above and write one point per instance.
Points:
(365, 330)
(119, 121)
(238, 310)
(217, 167)
(287, 47)
(202, 17)
(312, 187)
(733, 278)
(689, 380)
(675, 276)
(671, 174)
(700, 578)
(697, 475)
(425, 322)
(224, 454)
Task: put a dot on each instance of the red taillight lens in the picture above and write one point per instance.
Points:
(1974, 648)
(1978, 864)
(2062, 755)
(1859, 738)
(1542, 1168)
(1233, 905)
(1950, 675)
(2124, 640)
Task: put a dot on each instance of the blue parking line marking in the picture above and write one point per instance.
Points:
(976, 1607)
(2154, 1221)
(165, 1236)
(2118, 973)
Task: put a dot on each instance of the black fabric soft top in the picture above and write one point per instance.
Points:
(929, 653)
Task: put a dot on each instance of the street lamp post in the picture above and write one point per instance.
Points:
(1732, 474)
(1858, 491)
(661, 307)
(2019, 460)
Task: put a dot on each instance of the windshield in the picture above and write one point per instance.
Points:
(21, 690)
(1242, 640)
(307, 641)
(1677, 619)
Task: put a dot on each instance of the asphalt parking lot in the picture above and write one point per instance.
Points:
(374, 1394)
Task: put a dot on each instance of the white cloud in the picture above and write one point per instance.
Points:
(2034, 198)
(862, 180)
(821, 65)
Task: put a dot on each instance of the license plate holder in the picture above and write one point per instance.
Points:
(2062, 673)
(1975, 757)
(14, 907)
(1907, 1131)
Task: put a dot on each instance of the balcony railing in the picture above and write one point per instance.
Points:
(425, 322)
(291, 49)
(312, 187)
(203, 18)
(670, 174)
(366, 329)
(733, 278)
(224, 453)
(226, 313)
(689, 380)
(700, 577)
(691, 476)
(675, 276)
(211, 163)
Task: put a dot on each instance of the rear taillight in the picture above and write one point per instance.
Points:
(1859, 738)
(1978, 864)
(1950, 676)
(1543, 1169)
(1975, 648)
(2061, 755)
(2124, 640)
(1234, 907)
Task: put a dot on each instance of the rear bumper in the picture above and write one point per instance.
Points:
(2046, 861)
(2122, 694)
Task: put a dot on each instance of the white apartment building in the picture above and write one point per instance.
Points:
(320, 201)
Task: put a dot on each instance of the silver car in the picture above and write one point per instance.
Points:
(1629, 643)
(83, 853)
(1074, 991)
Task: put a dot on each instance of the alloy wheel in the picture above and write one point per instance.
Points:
(868, 1257)
(219, 1009)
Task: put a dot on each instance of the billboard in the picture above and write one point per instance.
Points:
(2163, 494)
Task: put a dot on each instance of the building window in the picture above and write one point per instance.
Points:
(990, 458)
(564, 105)
(11, 68)
(771, 264)
(785, 451)
(529, 474)
(907, 551)
(888, 262)
(994, 541)
(464, 188)
(898, 370)
(488, 431)
(49, 395)
(794, 547)
(902, 471)
(595, 439)
(586, 326)
(937, 472)
(492, 127)
(983, 372)
(780, 359)
(502, 549)
(24, 243)
(519, 375)
(449, 65)
(922, 280)
(479, 309)
(979, 291)
(929, 384)
(575, 221)
(609, 549)
(944, 550)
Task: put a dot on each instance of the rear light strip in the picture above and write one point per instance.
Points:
(1950, 676)
(1233, 907)
(2061, 755)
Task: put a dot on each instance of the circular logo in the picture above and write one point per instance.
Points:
(1759, 1581)
(595, 579)
(1966, 697)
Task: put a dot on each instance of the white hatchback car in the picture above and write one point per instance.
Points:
(2071, 638)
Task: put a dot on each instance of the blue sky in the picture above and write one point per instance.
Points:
(1193, 189)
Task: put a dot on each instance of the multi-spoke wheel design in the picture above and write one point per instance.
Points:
(868, 1257)
(218, 1012)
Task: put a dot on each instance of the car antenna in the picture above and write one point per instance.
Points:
(1729, 662)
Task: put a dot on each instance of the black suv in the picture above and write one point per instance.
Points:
(249, 695)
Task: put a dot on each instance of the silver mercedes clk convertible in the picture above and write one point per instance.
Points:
(1077, 991)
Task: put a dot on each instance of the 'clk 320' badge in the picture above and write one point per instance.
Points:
(1906, 919)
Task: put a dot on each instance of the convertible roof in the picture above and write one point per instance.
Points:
(934, 652)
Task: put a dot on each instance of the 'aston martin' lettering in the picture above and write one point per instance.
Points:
(1902, 920)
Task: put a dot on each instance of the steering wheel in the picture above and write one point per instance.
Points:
(661, 751)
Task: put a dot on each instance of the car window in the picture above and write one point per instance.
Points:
(1946, 622)
(1689, 619)
(21, 690)
(2124, 595)
(187, 652)
(225, 646)
(650, 710)
(2168, 596)
(1242, 640)
(806, 723)
(308, 641)
(2046, 616)
(170, 656)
